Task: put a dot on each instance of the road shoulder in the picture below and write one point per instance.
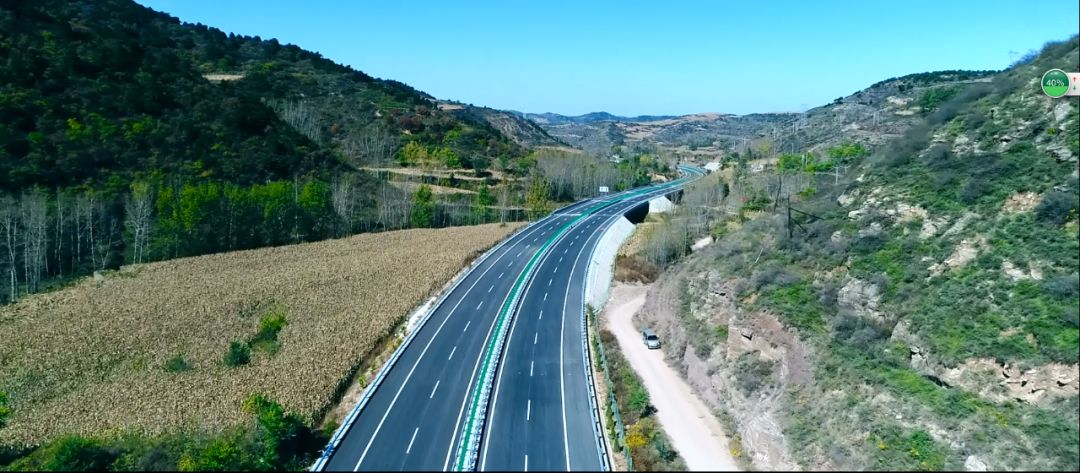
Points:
(694, 431)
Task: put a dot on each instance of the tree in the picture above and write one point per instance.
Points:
(35, 225)
(344, 202)
(139, 210)
(9, 226)
(536, 201)
(423, 209)
(504, 201)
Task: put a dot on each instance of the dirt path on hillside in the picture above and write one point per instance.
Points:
(693, 430)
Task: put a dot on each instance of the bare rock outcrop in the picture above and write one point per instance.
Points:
(862, 298)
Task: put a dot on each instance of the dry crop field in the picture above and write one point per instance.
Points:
(91, 359)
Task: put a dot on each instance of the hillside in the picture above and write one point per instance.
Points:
(522, 131)
(870, 117)
(127, 136)
(918, 311)
(97, 89)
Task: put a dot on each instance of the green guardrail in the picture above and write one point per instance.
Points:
(468, 450)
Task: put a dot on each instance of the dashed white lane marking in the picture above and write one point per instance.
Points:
(528, 410)
(526, 463)
(409, 449)
(531, 364)
(536, 337)
(541, 315)
(501, 274)
(432, 396)
(479, 305)
(452, 353)
(490, 288)
(466, 326)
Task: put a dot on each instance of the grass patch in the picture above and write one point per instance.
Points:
(798, 306)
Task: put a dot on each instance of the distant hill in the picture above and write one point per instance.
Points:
(871, 116)
(522, 131)
(555, 118)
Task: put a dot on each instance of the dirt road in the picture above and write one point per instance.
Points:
(693, 430)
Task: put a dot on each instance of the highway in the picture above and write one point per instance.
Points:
(415, 417)
(541, 417)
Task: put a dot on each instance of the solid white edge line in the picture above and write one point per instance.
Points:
(421, 357)
(502, 357)
(346, 426)
(483, 454)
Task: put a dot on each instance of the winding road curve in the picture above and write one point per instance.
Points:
(426, 411)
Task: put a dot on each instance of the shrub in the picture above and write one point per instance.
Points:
(270, 324)
(1065, 286)
(5, 411)
(177, 364)
(238, 354)
(752, 372)
(931, 99)
(859, 332)
(68, 453)
(1057, 207)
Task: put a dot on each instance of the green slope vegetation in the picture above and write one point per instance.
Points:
(97, 90)
(126, 136)
(926, 295)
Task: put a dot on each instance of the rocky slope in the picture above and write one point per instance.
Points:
(926, 317)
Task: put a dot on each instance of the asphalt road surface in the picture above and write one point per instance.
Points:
(540, 417)
(413, 420)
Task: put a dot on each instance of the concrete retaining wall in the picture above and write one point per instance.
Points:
(660, 204)
(602, 265)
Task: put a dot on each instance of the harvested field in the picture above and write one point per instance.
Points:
(91, 359)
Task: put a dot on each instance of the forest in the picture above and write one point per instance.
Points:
(127, 136)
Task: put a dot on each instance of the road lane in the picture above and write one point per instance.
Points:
(559, 435)
(396, 410)
(412, 421)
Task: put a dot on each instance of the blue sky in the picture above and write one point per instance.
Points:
(635, 57)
